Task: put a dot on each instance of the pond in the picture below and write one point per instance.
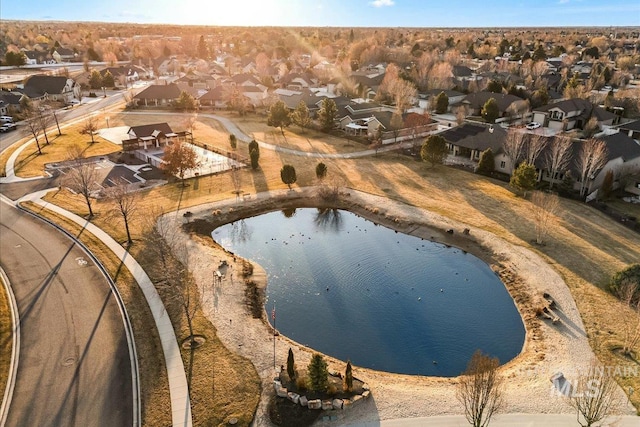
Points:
(351, 289)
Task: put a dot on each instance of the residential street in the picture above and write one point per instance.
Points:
(74, 367)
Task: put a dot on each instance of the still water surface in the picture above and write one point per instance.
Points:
(385, 300)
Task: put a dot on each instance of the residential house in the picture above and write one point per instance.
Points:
(151, 135)
(130, 73)
(62, 54)
(10, 101)
(572, 114)
(52, 88)
(255, 94)
(631, 129)
(467, 142)
(158, 95)
(215, 97)
(623, 154)
(425, 98)
(506, 102)
(297, 81)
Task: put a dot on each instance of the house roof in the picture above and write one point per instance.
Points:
(634, 126)
(10, 98)
(435, 92)
(36, 86)
(170, 91)
(621, 145)
(568, 105)
(476, 137)
(478, 99)
(462, 71)
(153, 130)
(601, 114)
(215, 94)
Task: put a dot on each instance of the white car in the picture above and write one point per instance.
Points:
(8, 127)
(533, 125)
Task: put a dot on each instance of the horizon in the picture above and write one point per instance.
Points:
(452, 14)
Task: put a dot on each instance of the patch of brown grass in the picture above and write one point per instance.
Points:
(6, 337)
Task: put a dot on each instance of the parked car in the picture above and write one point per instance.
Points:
(533, 125)
(6, 119)
(7, 127)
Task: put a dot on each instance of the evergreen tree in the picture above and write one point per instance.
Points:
(524, 178)
(107, 79)
(186, 102)
(301, 115)
(486, 164)
(321, 170)
(95, 80)
(494, 86)
(327, 113)
(442, 103)
(279, 116)
(288, 175)
(203, 51)
(291, 366)
(434, 150)
(318, 373)
(539, 54)
(490, 110)
(254, 155)
(348, 377)
(253, 145)
(233, 141)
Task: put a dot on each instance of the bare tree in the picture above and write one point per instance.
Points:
(403, 92)
(545, 207)
(479, 389)
(189, 123)
(83, 176)
(534, 147)
(626, 292)
(594, 395)
(592, 157)
(89, 127)
(236, 179)
(44, 121)
(514, 146)
(125, 201)
(558, 156)
(33, 129)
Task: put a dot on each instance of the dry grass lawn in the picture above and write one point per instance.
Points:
(30, 163)
(6, 339)
(585, 246)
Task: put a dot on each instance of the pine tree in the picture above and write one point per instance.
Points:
(348, 377)
(321, 170)
(291, 366)
(486, 164)
(490, 110)
(318, 373)
(327, 113)
(524, 177)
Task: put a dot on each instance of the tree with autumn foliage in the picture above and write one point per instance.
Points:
(179, 158)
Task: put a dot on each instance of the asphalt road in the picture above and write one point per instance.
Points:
(74, 367)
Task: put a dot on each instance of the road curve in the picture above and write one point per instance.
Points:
(74, 367)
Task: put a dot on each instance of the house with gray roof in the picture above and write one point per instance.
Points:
(475, 102)
(632, 129)
(52, 88)
(158, 95)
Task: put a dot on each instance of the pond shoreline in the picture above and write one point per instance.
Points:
(547, 348)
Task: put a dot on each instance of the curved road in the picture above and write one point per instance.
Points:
(74, 367)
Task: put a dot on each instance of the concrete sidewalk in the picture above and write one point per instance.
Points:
(501, 420)
(178, 389)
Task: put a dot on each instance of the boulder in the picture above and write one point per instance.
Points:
(346, 404)
(282, 392)
(294, 397)
(327, 405)
(315, 404)
(356, 399)
(337, 403)
(303, 401)
(365, 394)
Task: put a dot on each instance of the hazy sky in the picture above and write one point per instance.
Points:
(337, 13)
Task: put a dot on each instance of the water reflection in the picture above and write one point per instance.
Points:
(328, 219)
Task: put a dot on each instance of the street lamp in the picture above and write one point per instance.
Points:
(104, 91)
(107, 118)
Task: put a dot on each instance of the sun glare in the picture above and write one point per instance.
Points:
(240, 12)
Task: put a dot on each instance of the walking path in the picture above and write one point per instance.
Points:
(500, 420)
(178, 389)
